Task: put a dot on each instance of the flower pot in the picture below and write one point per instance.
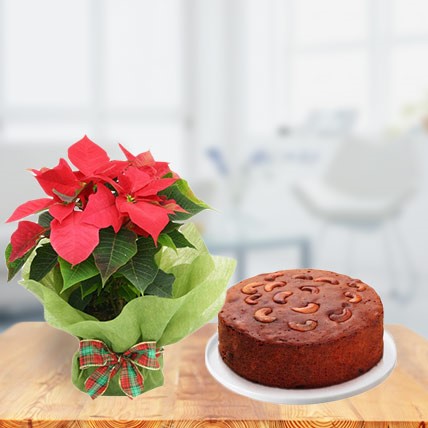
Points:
(198, 295)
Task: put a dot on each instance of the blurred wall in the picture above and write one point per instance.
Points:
(247, 99)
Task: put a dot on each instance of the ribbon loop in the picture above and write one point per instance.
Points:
(95, 353)
(144, 354)
(131, 380)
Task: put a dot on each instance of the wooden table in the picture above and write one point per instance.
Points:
(36, 390)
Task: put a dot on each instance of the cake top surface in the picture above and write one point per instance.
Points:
(301, 306)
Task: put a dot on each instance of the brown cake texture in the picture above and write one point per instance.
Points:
(301, 328)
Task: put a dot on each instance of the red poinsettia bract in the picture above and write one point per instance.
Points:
(138, 198)
(100, 193)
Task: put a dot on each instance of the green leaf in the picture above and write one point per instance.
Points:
(166, 241)
(171, 226)
(128, 292)
(78, 273)
(77, 301)
(180, 240)
(14, 267)
(88, 286)
(141, 270)
(54, 281)
(45, 220)
(44, 261)
(114, 251)
(183, 195)
(162, 285)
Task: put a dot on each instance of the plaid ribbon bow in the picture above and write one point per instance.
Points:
(95, 353)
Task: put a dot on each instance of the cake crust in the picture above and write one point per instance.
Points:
(301, 328)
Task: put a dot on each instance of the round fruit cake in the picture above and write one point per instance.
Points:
(301, 328)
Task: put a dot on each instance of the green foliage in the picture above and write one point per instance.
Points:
(184, 196)
(14, 267)
(141, 270)
(44, 261)
(114, 251)
(45, 220)
(128, 292)
(149, 317)
(162, 285)
(78, 301)
(180, 241)
(124, 267)
(90, 286)
(166, 241)
(75, 274)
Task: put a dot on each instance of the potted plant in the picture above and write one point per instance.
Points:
(113, 264)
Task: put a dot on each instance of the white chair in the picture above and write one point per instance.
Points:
(366, 186)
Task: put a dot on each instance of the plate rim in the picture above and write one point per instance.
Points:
(302, 396)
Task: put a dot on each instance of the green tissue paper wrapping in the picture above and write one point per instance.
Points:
(198, 295)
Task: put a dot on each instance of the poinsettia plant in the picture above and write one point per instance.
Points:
(101, 226)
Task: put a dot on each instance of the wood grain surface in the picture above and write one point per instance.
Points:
(36, 390)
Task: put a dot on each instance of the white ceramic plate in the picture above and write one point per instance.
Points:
(229, 379)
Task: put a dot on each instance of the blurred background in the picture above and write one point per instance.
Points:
(303, 123)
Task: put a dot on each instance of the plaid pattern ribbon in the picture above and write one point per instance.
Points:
(95, 353)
